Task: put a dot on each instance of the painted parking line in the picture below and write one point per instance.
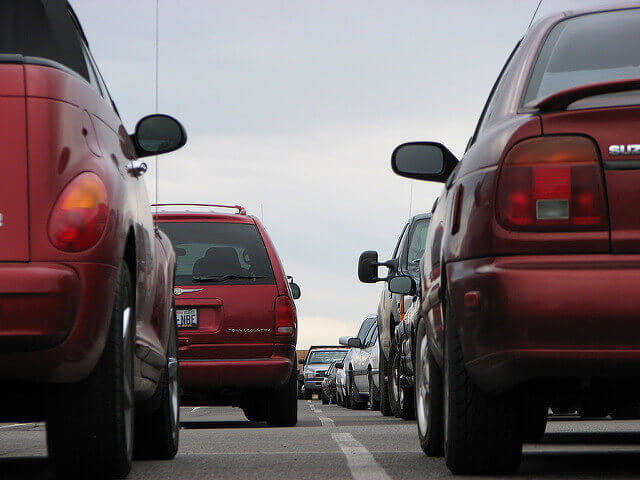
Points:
(360, 461)
(18, 425)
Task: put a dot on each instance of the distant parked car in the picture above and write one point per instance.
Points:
(530, 276)
(358, 381)
(341, 384)
(237, 323)
(316, 364)
(328, 395)
(87, 325)
(392, 307)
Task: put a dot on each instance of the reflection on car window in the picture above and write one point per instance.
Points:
(365, 327)
(593, 48)
(417, 243)
(219, 253)
(326, 356)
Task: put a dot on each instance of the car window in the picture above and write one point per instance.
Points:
(594, 48)
(93, 77)
(365, 327)
(373, 336)
(219, 253)
(325, 356)
(415, 248)
(367, 341)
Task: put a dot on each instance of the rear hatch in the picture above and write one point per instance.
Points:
(588, 68)
(225, 290)
(14, 190)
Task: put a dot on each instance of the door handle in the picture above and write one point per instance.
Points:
(136, 168)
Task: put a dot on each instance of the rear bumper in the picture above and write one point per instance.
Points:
(246, 374)
(54, 319)
(560, 316)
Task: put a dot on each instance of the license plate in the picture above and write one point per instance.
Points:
(187, 318)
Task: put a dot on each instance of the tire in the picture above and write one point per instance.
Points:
(588, 410)
(282, 405)
(625, 413)
(374, 400)
(534, 422)
(158, 431)
(340, 398)
(90, 424)
(255, 412)
(405, 400)
(307, 395)
(394, 387)
(482, 433)
(385, 406)
(325, 400)
(429, 397)
(355, 400)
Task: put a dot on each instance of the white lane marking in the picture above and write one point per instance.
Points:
(195, 409)
(360, 461)
(18, 425)
(326, 422)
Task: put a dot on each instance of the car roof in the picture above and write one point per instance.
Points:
(587, 9)
(201, 212)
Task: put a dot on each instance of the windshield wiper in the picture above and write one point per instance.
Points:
(223, 278)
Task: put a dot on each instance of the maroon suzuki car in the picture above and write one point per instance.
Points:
(87, 324)
(237, 323)
(532, 263)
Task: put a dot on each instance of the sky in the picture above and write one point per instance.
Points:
(293, 109)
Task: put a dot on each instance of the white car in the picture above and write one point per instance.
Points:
(358, 378)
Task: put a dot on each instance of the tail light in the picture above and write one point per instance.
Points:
(285, 317)
(80, 214)
(552, 184)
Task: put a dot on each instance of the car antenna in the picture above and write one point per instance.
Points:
(534, 14)
(156, 93)
(410, 198)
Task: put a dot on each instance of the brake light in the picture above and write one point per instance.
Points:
(285, 316)
(552, 184)
(79, 216)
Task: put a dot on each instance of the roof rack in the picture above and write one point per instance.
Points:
(241, 210)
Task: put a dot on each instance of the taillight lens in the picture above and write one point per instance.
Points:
(285, 317)
(80, 214)
(552, 184)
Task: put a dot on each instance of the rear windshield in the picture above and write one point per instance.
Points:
(219, 253)
(593, 48)
(326, 356)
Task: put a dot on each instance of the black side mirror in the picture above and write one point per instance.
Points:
(402, 284)
(295, 290)
(340, 365)
(355, 342)
(301, 361)
(157, 134)
(368, 267)
(423, 161)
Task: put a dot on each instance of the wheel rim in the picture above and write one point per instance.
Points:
(422, 385)
(127, 367)
(394, 383)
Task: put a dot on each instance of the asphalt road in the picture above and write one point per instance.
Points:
(334, 443)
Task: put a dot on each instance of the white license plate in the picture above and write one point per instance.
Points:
(187, 318)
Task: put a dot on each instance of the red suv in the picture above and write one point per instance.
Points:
(236, 317)
(532, 262)
(87, 325)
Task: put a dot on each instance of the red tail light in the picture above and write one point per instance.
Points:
(80, 214)
(552, 184)
(285, 317)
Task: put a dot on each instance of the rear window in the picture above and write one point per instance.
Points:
(593, 48)
(326, 356)
(219, 253)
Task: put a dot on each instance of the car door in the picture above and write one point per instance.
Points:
(362, 381)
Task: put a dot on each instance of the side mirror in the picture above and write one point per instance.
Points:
(368, 267)
(157, 134)
(344, 340)
(339, 365)
(423, 161)
(295, 290)
(402, 284)
(355, 342)
(301, 361)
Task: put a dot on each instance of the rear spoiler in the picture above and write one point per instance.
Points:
(561, 100)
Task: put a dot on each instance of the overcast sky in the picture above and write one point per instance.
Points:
(295, 106)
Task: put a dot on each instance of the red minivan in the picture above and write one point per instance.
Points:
(236, 317)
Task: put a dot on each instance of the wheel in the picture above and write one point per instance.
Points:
(385, 406)
(405, 400)
(534, 422)
(394, 385)
(589, 409)
(90, 424)
(482, 432)
(625, 413)
(158, 430)
(355, 399)
(325, 400)
(428, 397)
(256, 412)
(340, 400)
(374, 400)
(282, 405)
(307, 394)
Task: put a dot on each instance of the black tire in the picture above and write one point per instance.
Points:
(405, 400)
(588, 410)
(158, 431)
(90, 424)
(385, 406)
(482, 432)
(534, 422)
(355, 399)
(307, 395)
(340, 399)
(429, 397)
(393, 382)
(325, 400)
(625, 413)
(374, 399)
(282, 405)
(256, 412)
